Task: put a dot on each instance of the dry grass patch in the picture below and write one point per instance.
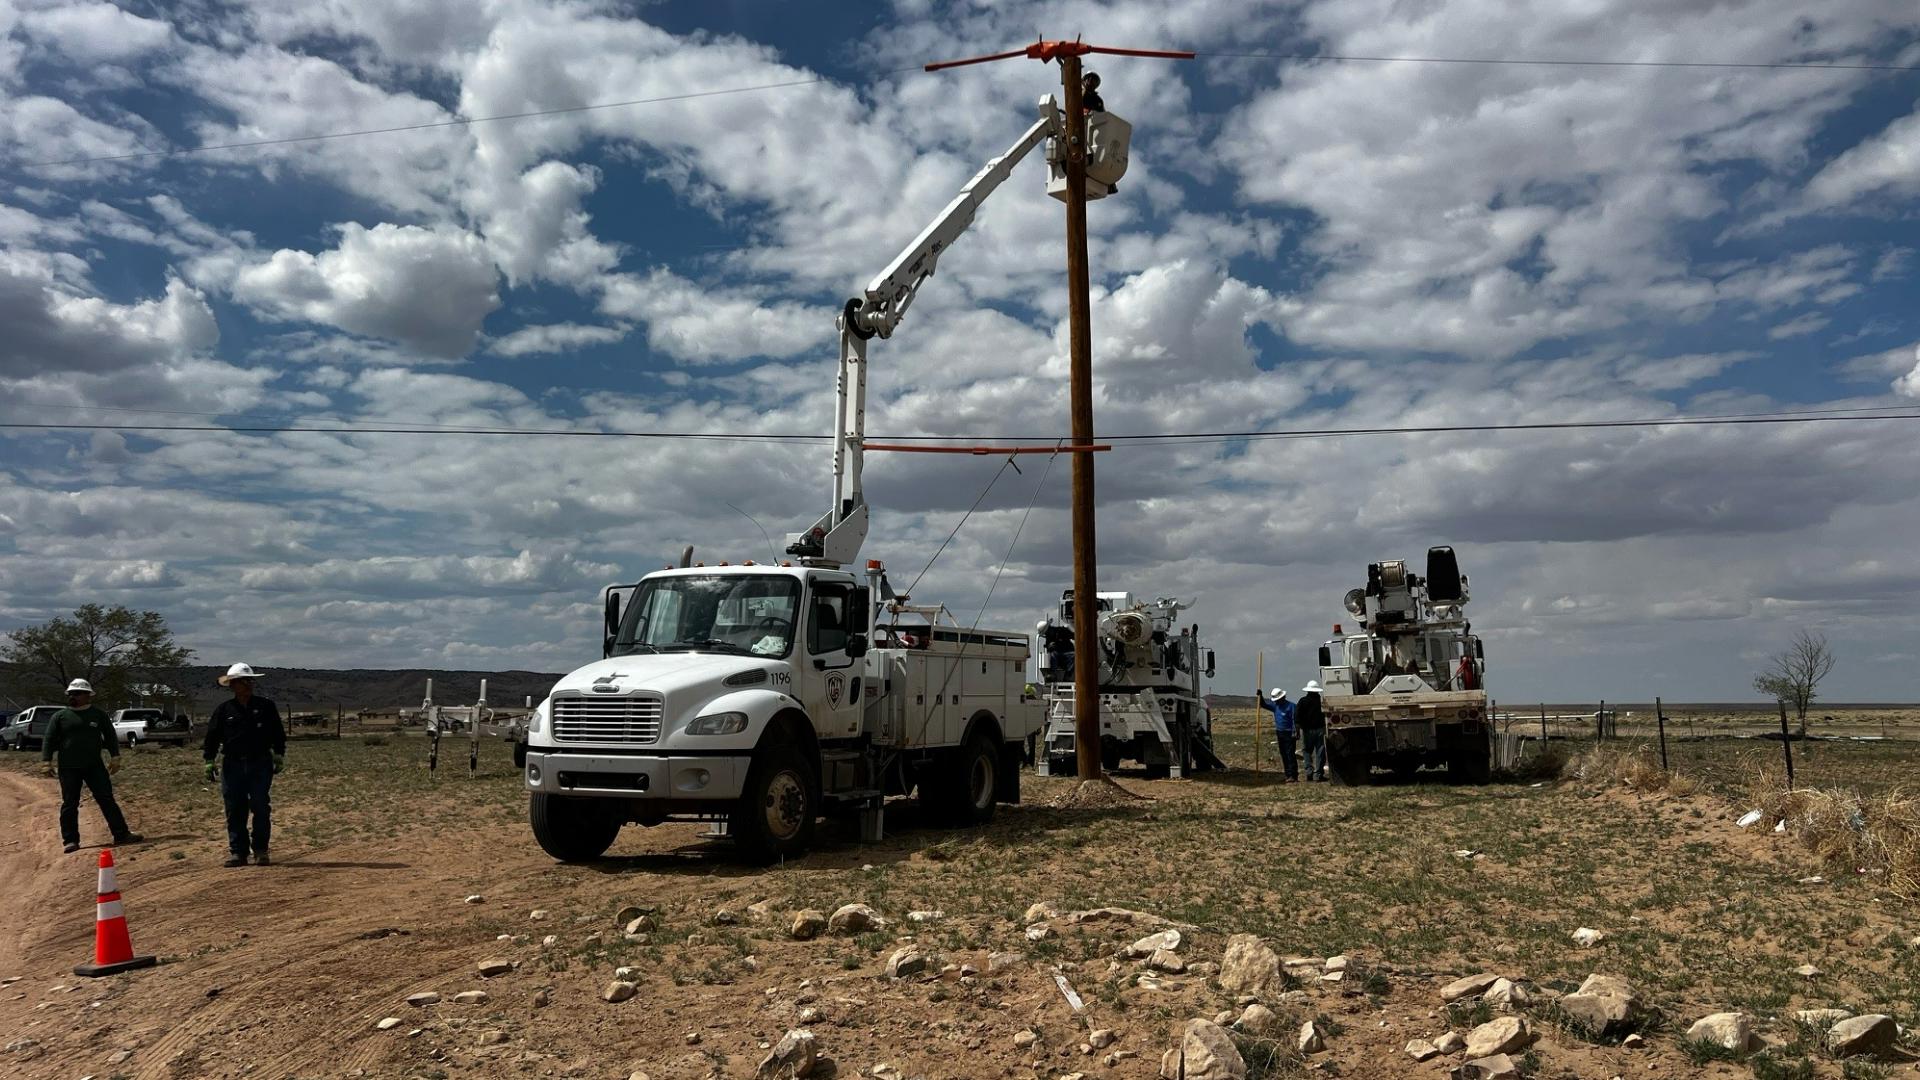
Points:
(1635, 768)
(1877, 834)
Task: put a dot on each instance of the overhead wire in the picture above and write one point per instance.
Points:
(1300, 57)
(1144, 439)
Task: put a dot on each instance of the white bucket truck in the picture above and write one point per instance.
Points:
(758, 697)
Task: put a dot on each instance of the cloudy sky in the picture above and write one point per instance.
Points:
(1298, 245)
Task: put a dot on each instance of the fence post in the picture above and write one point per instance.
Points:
(1600, 723)
(1543, 724)
(1786, 744)
(1660, 714)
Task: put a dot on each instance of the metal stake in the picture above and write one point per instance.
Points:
(1660, 714)
(1786, 744)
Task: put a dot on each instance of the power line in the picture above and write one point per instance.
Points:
(1148, 439)
(1346, 58)
(457, 121)
(1779, 65)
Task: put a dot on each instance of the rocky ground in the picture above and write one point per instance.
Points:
(1229, 927)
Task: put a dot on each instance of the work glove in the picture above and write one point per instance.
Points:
(113, 765)
(279, 763)
(209, 772)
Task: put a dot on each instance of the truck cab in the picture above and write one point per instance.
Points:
(750, 696)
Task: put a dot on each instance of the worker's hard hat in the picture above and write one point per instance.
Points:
(239, 671)
(1312, 687)
(1276, 693)
(1042, 625)
(79, 686)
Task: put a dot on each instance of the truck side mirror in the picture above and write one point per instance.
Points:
(1326, 657)
(1209, 663)
(611, 628)
(856, 646)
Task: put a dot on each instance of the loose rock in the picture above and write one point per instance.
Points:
(1024, 1039)
(629, 913)
(1497, 1067)
(1634, 1041)
(470, 997)
(1727, 1030)
(491, 968)
(1166, 960)
(1337, 963)
(1310, 1040)
(1203, 969)
(617, 992)
(925, 916)
(1257, 1020)
(794, 1055)
(906, 963)
(537, 914)
(1422, 1050)
(1041, 910)
(640, 924)
(541, 998)
(1504, 1035)
(475, 899)
(1808, 971)
(1450, 1043)
(388, 1024)
(1471, 986)
(1101, 1038)
(724, 917)
(1872, 1035)
(1508, 995)
(1001, 961)
(1249, 967)
(423, 999)
(1209, 1053)
(854, 919)
(1605, 1005)
(490, 1038)
(1587, 937)
(1039, 932)
(1152, 943)
(807, 925)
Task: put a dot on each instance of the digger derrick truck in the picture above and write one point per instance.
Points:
(1409, 689)
(758, 697)
(1153, 709)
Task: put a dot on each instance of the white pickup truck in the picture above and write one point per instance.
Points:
(141, 725)
(750, 696)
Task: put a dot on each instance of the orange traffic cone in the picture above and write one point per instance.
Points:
(112, 948)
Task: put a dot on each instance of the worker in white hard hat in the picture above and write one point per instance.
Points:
(77, 734)
(247, 729)
(1276, 703)
(1313, 731)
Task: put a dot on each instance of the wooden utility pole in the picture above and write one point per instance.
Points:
(1086, 624)
(1086, 616)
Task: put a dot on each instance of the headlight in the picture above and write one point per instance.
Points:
(538, 722)
(724, 723)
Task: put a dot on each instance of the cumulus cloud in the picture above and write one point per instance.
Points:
(554, 338)
(429, 289)
(397, 575)
(1888, 163)
(96, 31)
(50, 329)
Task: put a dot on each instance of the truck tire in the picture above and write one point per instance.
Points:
(1346, 768)
(570, 828)
(1471, 763)
(774, 817)
(966, 784)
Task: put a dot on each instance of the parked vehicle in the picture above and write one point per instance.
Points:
(28, 727)
(146, 725)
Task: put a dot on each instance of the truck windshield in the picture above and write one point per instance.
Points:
(739, 613)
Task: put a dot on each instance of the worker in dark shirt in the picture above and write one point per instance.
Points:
(77, 734)
(249, 730)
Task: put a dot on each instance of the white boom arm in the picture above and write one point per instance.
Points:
(835, 539)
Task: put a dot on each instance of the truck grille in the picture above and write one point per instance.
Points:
(607, 720)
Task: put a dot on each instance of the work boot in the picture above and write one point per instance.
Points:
(260, 859)
(236, 860)
(129, 838)
(71, 848)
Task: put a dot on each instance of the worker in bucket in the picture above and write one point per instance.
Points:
(1313, 730)
(1283, 727)
(75, 736)
(247, 729)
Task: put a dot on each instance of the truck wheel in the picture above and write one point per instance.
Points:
(570, 828)
(976, 781)
(1471, 763)
(1109, 755)
(1348, 769)
(774, 817)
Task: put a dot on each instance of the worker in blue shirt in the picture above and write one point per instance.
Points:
(1283, 731)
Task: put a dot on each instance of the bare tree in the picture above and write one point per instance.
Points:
(1794, 674)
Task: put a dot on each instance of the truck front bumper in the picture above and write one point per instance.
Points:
(661, 776)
